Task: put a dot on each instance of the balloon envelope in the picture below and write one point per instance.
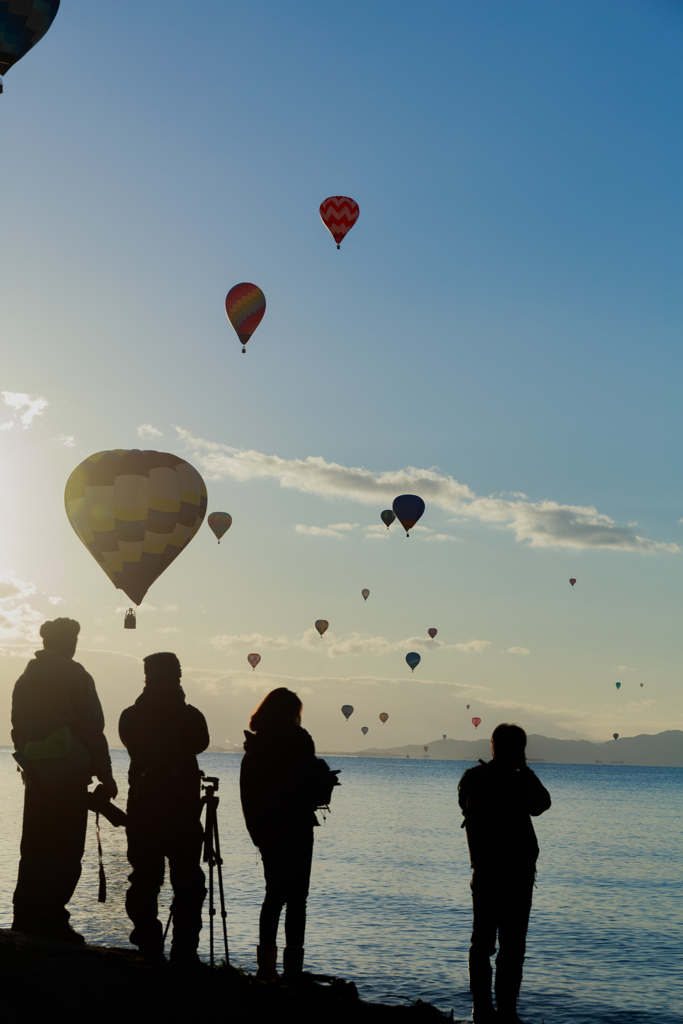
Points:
(135, 511)
(616, 735)
(383, 716)
(432, 632)
(365, 593)
(387, 517)
(245, 305)
(339, 214)
(426, 749)
(444, 736)
(572, 581)
(253, 659)
(23, 23)
(408, 508)
(347, 711)
(321, 625)
(413, 660)
(618, 686)
(467, 706)
(364, 730)
(476, 722)
(220, 523)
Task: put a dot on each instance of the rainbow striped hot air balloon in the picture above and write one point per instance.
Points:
(408, 508)
(220, 523)
(321, 625)
(245, 305)
(339, 214)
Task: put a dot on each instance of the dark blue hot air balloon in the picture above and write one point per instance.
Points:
(23, 23)
(413, 660)
(408, 508)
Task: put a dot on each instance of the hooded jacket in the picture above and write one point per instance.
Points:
(497, 802)
(53, 691)
(163, 735)
(280, 783)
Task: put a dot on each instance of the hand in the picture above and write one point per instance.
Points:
(110, 789)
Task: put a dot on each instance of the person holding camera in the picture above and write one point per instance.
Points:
(59, 741)
(497, 800)
(163, 736)
(282, 783)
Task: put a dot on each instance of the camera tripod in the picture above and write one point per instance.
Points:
(211, 855)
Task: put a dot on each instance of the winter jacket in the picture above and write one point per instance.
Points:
(163, 736)
(281, 784)
(55, 691)
(497, 801)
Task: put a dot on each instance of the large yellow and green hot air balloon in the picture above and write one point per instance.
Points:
(135, 511)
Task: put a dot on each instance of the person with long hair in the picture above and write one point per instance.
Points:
(282, 783)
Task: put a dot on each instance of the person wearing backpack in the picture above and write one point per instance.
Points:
(282, 782)
(497, 800)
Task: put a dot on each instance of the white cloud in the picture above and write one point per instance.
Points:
(168, 629)
(623, 668)
(317, 531)
(518, 650)
(12, 587)
(146, 431)
(67, 440)
(543, 524)
(441, 536)
(334, 647)
(32, 406)
(472, 646)
(7, 426)
(56, 600)
(253, 640)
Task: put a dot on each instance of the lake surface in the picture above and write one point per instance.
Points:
(390, 904)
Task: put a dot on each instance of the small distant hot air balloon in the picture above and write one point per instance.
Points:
(245, 305)
(642, 684)
(383, 716)
(220, 523)
(339, 214)
(365, 593)
(387, 517)
(572, 581)
(364, 729)
(618, 686)
(444, 735)
(253, 659)
(321, 625)
(347, 711)
(408, 508)
(413, 660)
(23, 23)
(616, 735)
(467, 706)
(476, 722)
(426, 749)
(432, 632)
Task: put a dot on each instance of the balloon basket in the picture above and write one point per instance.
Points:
(244, 351)
(129, 620)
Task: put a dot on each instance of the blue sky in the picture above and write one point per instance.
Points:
(506, 313)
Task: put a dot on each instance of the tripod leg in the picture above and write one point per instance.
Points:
(168, 923)
(219, 863)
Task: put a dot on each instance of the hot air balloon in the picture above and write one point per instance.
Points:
(383, 716)
(245, 305)
(426, 749)
(365, 593)
(23, 23)
(347, 711)
(476, 722)
(408, 508)
(572, 581)
(616, 735)
(253, 659)
(642, 684)
(220, 523)
(444, 736)
(339, 214)
(135, 511)
(387, 517)
(364, 729)
(321, 625)
(432, 632)
(467, 706)
(413, 660)
(618, 686)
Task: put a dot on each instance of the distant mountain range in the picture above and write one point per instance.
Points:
(665, 749)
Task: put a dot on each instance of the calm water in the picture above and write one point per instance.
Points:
(390, 904)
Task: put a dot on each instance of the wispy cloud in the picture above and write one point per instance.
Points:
(518, 650)
(334, 647)
(28, 406)
(67, 440)
(56, 600)
(543, 524)
(147, 432)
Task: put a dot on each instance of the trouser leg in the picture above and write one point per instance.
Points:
(298, 883)
(189, 891)
(515, 904)
(52, 844)
(483, 943)
(146, 858)
(274, 901)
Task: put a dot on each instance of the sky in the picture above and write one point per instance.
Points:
(499, 333)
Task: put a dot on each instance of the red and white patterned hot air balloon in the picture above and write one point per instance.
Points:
(339, 214)
(253, 659)
(476, 722)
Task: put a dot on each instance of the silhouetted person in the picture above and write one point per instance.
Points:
(163, 736)
(281, 784)
(497, 800)
(57, 731)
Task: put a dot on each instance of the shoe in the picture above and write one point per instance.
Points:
(153, 958)
(292, 962)
(185, 959)
(266, 958)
